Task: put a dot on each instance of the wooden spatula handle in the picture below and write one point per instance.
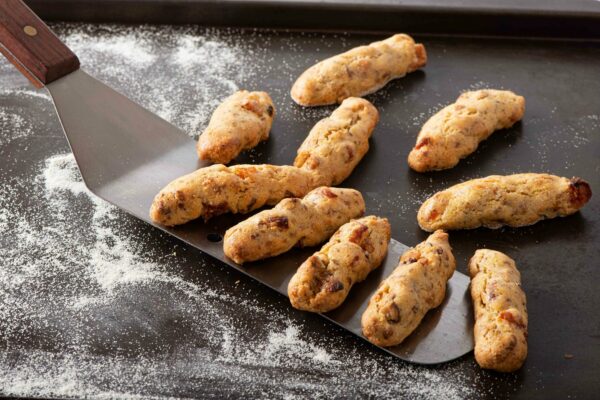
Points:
(31, 46)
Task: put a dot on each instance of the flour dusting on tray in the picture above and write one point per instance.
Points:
(76, 286)
(142, 63)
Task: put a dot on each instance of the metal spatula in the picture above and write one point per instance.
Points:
(126, 155)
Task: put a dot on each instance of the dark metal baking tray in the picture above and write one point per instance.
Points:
(550, 18)
(561, 81)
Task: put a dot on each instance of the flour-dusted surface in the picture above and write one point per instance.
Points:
(95, 303)
(77, 293)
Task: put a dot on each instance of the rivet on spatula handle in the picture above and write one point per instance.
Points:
(31, 46)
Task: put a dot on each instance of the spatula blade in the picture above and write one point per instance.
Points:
(126, 154)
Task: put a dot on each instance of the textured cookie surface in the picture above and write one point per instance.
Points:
(500, 311)
(293, 222)
(337, 143)
(416, 286)
(239, 123)
(324, 280)
(456, 130)
(494, 201)
(218, 189)
(359, 71)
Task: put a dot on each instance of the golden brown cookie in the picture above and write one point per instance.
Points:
(456, 130)
(324, 280)
(239, 123)
(337, 143)
(359, 71)
(218, 189)
(293, 222)
(500, 311)
(513, 200)
(416, 286)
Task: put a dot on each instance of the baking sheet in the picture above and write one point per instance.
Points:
(558, 258)
(520, 18)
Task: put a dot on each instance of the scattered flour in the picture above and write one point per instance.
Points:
(28, 92)
(71, 271)
(132, 48)
(207, 63)
(13, 126)
(479, 85)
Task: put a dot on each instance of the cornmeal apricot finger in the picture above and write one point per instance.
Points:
(293, 222)
(359, 71)
(500, 311)
(215, 190)
(324, 280)
(239, 123)
(336, 144)
(513, 200)
(455, 131)
(416, 286)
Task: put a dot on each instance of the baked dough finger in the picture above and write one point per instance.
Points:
(239, 123)
(456, 130)
(513, 200)
(500, 311)
(359, 71)
(324, 280)
(293, 222)
(416, 286)
(218, 189)
(337, 143)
